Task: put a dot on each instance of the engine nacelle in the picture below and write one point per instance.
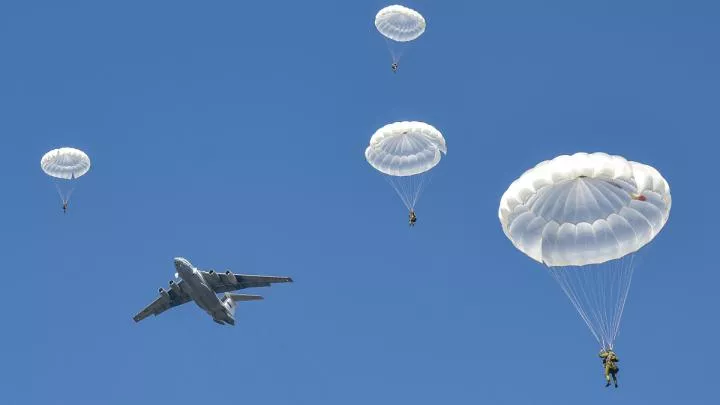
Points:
(212, 276)
(231, 277)
(175, 287)
(163, 292)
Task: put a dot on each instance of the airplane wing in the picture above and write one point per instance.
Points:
(164, 302)
(223, 282)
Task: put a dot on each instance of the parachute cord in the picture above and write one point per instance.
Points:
(599, 293)
(424, 180)
(400, 190)
(62, 197)
(65, 197)
(396, 54)
(409, 188)
(627, 274)
(601, 301)
(417, 188)
(572, 295)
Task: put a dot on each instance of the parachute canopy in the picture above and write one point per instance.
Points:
(584, 209)
(405, 152)
(400, 23)
(405, 148)
(65, 163)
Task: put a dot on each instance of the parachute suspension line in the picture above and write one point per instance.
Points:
(561, 278)
(65, 197)
(598, 292)
(401, 188)
(60, 194)
(396, 49)
(409, 188)
(423, 181)
(624, 292)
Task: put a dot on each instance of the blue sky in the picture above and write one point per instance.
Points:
(232, 133)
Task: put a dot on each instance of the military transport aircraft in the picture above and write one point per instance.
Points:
(202, 286)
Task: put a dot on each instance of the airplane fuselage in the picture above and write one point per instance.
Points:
(202, 294)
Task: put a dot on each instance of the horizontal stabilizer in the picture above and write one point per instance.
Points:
(243, 297)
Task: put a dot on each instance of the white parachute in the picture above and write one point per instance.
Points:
(399, 24)
(66, 165)
(405, 152)
(584, 216)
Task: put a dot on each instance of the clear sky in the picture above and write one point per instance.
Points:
(232, 133)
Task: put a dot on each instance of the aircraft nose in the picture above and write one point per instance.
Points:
(180, 263)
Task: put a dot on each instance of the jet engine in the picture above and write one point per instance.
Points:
(163, 292)
(231, 277)
(212, 275)
(175, 287)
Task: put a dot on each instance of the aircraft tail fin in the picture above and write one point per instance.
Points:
(230, 301)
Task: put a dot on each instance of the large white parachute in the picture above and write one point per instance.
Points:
(405, 148)
(405, 151)
(583, 216)
(584, 209)
(400, 23)
(65, 163)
